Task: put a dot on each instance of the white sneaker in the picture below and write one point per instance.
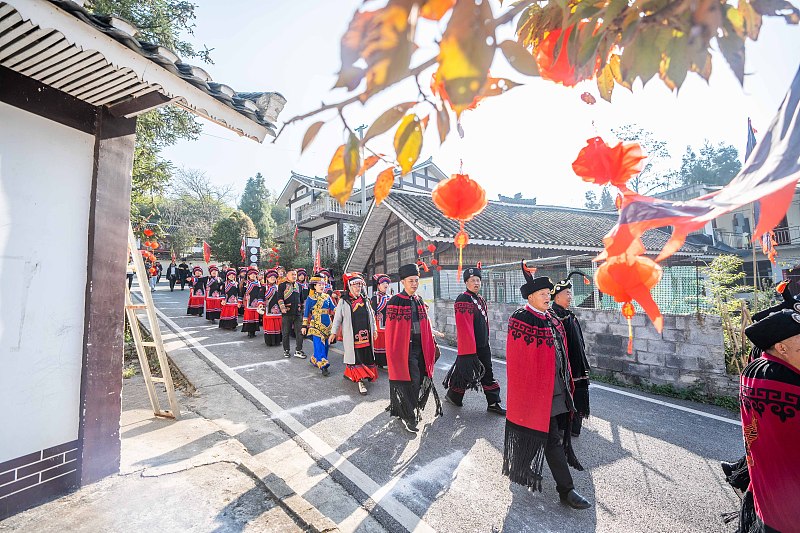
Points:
(300, 355)
(362, 389)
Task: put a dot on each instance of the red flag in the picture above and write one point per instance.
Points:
(206, 252)
(243, 249)
(317, 263)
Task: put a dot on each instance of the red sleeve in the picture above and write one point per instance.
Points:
(465, 327)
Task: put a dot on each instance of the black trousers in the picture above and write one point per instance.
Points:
(172, 283)
(557, 459)
(490, 386)
(287, 324)
(130, 280)
(183, 281)
(404, 395)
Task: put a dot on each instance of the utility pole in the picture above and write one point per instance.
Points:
(360, 131)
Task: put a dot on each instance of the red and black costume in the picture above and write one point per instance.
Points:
(272, 311)
(251, 322)
(242, 288)
(769, 400)
(473, 365)
(576, 349)
(230, 305)
(379, 301)
(197, 292)
(214, 294)
(410, 354)
(539, 399)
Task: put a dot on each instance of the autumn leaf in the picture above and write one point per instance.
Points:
(751, 19)
(465, 54)
(436, 9)
(368, 164)
(519, 58)
(408, 142)
(383, 184)
(342, 170)
(388, 118)
(442, 122)
(310, 135)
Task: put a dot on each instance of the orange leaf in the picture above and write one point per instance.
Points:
(465, 54)
(368, 164)
(436, 9)
(311, 133)
(424, 122)
(383, 185)
(408, 142)
(342, 170)
(388, 118)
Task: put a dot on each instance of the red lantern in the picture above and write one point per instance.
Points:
(154, 245)
(460, 198)
(148, 232)
(601, 164)
(438, 268)
(431, 248)
(419, 251)
(434, 262)
(558, 68)
(630, 277)
(419, 238)
(146, 244)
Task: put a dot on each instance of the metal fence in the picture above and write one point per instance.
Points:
(680, 291)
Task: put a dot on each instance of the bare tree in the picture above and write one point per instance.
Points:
(656, 176)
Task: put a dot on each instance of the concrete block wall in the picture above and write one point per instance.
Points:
(688, 353)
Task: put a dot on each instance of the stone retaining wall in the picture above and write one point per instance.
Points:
(689, 352)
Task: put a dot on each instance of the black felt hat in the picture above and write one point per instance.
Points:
(774, 328)
(789, 302)
(566, 283)
(472, 271)
(533, 284)
(405, 271)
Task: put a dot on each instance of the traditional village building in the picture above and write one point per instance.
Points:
(71, 87)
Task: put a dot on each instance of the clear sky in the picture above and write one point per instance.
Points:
(523, 141)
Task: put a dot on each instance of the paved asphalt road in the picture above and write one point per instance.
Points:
(650, 466)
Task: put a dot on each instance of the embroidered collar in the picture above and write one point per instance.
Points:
(536, 311)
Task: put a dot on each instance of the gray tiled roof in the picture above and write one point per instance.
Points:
(260, 107)
(521, 224)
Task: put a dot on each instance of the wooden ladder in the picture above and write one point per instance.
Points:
(155, 332)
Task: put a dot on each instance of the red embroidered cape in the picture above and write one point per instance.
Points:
(467, 313)
(530, 367)
(398, 336)
(770, 409)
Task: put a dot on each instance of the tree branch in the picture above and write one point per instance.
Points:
(506, 17)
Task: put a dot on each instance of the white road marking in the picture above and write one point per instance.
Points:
(253, 365)
(639, 397)
(380, 495)
(313, 405)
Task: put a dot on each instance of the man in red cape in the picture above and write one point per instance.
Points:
(540, 388)
(473, 365)
(769, 400)
(410, 352)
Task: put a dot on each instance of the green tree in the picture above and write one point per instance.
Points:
(654, 177)
(161, 22)
(256, 202)
(606, 200)
(280, 213)
(297, 254)
(710, 165)
(591, 200)
(226, 237)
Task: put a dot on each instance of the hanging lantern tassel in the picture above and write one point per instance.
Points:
(461, 240)
(628, 311)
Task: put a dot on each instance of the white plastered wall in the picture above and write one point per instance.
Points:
(321, 233)
(45, 187)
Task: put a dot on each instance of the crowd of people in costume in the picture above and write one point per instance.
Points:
(546, 362)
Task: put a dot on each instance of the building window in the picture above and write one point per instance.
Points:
(326, 247)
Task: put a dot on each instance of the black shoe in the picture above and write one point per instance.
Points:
(728, 468)
(286, 354)
(496, 408)
(410, 425)
(575, 434)
(326, 372)
(575, 500)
